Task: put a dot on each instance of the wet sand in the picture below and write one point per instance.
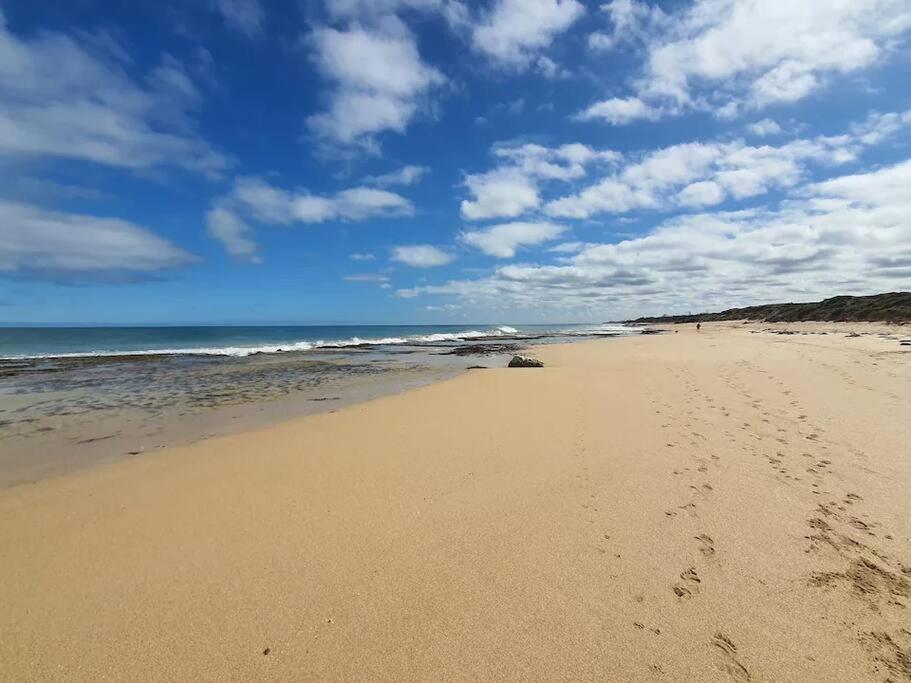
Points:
(727, 505)
(77, 413)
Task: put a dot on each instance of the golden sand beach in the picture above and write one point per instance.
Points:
(732, 504)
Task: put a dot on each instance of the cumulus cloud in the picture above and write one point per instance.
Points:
(619, 111)
(513, 32)
(703, 193)
(379, 81)
(67, 247)
(879, 126)
(732, 56)
(764, 127)
(503, 240)
(66, 96)
(686, 175)
(849, 234)
(631, 22)
(407, 175)
(244, 16)
(702, 174)
(566, 162)
(511, 189)
(257, 200)
(550, 69)
(269, 204)
(421, 256)
(503, 192)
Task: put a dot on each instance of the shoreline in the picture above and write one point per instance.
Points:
(68, 413)
(711, 506)
(425, 342)
(59, 447)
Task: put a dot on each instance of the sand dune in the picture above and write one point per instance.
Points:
(727, 505)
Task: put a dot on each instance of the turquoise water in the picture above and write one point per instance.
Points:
(32, 342)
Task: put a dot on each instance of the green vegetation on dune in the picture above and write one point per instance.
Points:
(893, 307)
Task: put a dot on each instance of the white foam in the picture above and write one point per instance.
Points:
(453, 336)
(243, 351)
(606, 329)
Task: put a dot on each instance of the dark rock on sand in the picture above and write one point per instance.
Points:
(525, 362)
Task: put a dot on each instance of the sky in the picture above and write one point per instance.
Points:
(448, 161)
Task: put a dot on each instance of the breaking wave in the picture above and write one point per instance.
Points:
(243, 351)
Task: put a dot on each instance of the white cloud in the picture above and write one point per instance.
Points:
(764, 127)
(374, 278)
(51, 245)
(256, 200)
(407, 175)
(503, 192)
(372, 11)
(632, 21)
(879, 126)
(704, 193)
(514, 31)
(244, 16)
(421, 256)
(566, 162)
(379, 81)
(619, 111)
(567, 248)
(850, 234)
(503, 240)
(224, 225)
(269, 204)
(549, 68)
(600, 42)
(361, 203)
(736, 55)
(511, 190)
(700, 174)
(362, 257)
(64, 96)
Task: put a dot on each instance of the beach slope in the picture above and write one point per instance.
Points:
(724, 505)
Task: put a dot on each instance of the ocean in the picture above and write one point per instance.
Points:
(239, 341)
(72, 396)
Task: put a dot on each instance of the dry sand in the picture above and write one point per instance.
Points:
(728, 505)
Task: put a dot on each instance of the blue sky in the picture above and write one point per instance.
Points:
(445, 161)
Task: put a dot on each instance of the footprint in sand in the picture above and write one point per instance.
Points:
(891, 652)
(861, 525)
(727, 660)
(689, 585)
(706, 545)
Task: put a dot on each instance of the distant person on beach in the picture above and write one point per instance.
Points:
(698, 326)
